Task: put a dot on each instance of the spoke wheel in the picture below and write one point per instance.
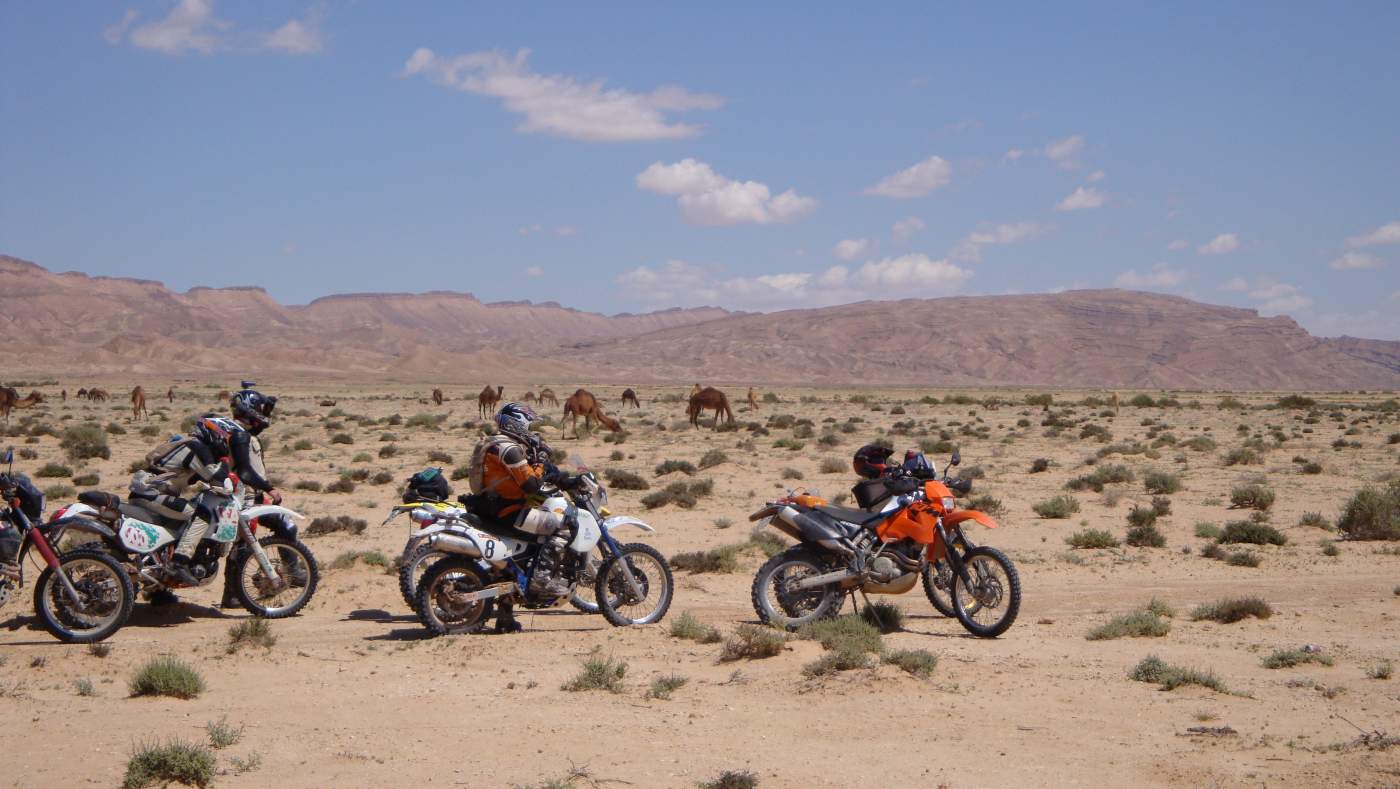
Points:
(779, 603)
(105, 597)
(297, 578)
(438, 601)
(623, 605)
(938, 586)
(585, 597)
(990, 605)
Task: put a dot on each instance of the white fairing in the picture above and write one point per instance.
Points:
(618, 521)
(271, 509)
(588, 532)
(142, 537)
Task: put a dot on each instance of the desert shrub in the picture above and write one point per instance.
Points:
(723, 559)
(53, 470)
(342, 438)
(1142, 401)
(682, 494)
(987, 503)
(663, 686)
(302, 445)
(1140, 624)
(1039, 465)
(789, 444)
(688, 628)
(1314, 520)
(254, 632)
(83, 442)
(1310, 467)
(752, 642)
(342, 485)
(598, 673)
(1200, 444)
(843, 633)
(355, 475)
(1381, 670)
(223, 734)
(176, 761)
(430, 421)
(1146, 536)
(340, 523)
(668, 466)
(1295, 402)
(1102, 477)
(381, 478)
(1242, 559)
(1096, 432)
(1229, 404)
(1208, 531)
(1059, 507)
(372, 558)
(1141, 516)
(166, 676)
(885, 617)
(1251, 533)
(1092, 538)
(791, 473)
(438, 456)
(308, 484)
(621, 479)
(388, 450)
(1162, 506)
(1153, 669)
(833, 466)
(712, 458)
(1252, 496)
(919, 662)
(55, 492)
(1288, 658)
(114, 429)
(1161, 482)
(1233, 609)
(1242, 456)
(1372, 514)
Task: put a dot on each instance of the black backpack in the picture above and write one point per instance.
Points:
(31, 499)
(427, 485)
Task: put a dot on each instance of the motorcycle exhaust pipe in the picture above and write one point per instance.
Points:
(450, 543)
(784, 521)
(824, 579)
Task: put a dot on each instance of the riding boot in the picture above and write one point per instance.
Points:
(180, 571)
(230, 599)
(505, 619)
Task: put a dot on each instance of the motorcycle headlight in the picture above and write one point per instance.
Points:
(949, 504)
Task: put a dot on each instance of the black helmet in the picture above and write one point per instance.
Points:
(214, 432)
(514, 420)
(253, 408)
(869, 461)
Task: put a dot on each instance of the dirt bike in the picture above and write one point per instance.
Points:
(843, 551)
(82, 596)
(273, 577)
(539, 561)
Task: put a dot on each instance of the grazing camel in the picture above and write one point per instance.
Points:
(487, 400)
(437, 397)
(547, 398)
(711, 399)
(584, 403)
(695, 390)
(170, 394)
(98, 395)
(529, 397)
(629, 396)
(753, 400)
(9, 399)
(138, 403)
(82, 394)
(1113, 402)
(64, 394)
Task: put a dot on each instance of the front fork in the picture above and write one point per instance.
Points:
(616, 550)
(955, 562)
(51, 559)
(265, 564)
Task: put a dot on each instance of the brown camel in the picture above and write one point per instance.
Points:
(437, 397)
(711, 399)
(547, 398)
(753, 400)
(98, 395)
(9, 399)
(695, 390)
(1113, 402)
(138, 403)
(82, 394)
(629, 396)
(170, 394)
(529, 397)
(64, 394)
(584, 403)
(487, 400)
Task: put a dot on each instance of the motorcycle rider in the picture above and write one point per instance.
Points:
(252, 411)
(506, 469)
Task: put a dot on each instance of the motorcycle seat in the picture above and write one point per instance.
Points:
(862, 517)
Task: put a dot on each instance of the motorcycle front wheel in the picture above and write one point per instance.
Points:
(990, 605)
(617, 599)
(105, 597)
(297, 572)
(776, 600)
(438, 601)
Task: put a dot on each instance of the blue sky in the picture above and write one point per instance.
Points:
(626, 157)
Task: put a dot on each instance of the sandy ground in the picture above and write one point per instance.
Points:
(354, 693)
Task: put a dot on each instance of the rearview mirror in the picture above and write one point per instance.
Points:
(955, 459)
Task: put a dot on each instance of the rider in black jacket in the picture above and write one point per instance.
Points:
(253, 411)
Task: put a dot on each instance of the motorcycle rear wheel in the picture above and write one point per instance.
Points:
(991, 605)
(412, 570)
(104, 588)
(778, 605)
(434, 600)
(938, 582)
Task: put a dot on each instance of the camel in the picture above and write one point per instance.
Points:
(753, 400)
(138, 403)
(712, 399)
(81, 395)
(584, 403)
(629, 396)
(547, 398)
(1113, 402)
(170, 394)
(64, 394)
(487, 400)
(695, 390)
(437, 397)
(98, 395)
(529, 398)
(9, 399)
(222, 394)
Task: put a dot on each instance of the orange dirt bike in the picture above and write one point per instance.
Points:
(842, 551)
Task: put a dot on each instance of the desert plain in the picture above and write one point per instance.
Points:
(354, 692)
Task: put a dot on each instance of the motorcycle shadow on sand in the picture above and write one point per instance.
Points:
(418, 633)
(143, 615)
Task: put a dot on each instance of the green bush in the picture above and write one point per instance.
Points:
(1056, 508)
(844, 632)
(723, 559)
(662, 687)
(327, 524)
(1233, 609)
(1039, 465)
(342, 438)
(1092, 538)
(1161, 483)
(1372, 514)
(598, 673)
(1101, 477)
(732, 779)
(844, 659)
(1251, 533)
(1146, 536)
(668, 466)
(83, 442)
(710, 459)
(1288, 658)
(1208, 531)
(621, 479)
(688, 628)
(1142, 624)
(1141, 516)
(682, 494)
(885, 617)
(166, 676)
(752, 642)
(1242, 456)
(53, 470)
(1252, 496)
(1168, 677)
(919, 662)
(254, 632)
(176, 761)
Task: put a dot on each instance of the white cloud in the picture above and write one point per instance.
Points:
(530, 230)
(1389, 233)
(915, 181)
(116, 32)
(851, 248)
(565, 230)
(677, 283)
(970, 248)
(1178, 245)
(1096, 176)
(1279, 297)
(1373, 324)
(1013, 155)
(561, 105)
(296, 37)
(1220, 245)
(907, 227)
(1161, 276)
(534, 271)
(1349, 261)
(1082, 198)
(1065, 152)
(707, 198)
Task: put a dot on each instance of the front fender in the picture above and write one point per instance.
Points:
(618, 521)
(55, 530)
(958, 516)
(270, 509)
